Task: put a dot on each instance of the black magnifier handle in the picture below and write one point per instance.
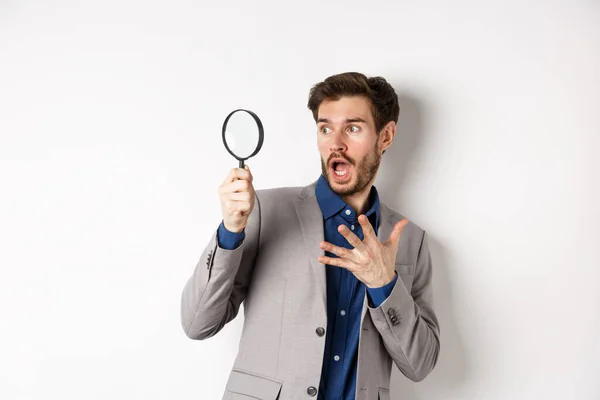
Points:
(241, 163)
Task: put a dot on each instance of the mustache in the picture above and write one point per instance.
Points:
(338, 155)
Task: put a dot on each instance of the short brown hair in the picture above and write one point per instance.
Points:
(383, 97)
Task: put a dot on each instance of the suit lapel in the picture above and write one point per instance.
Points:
(311, 225)
(387, 223)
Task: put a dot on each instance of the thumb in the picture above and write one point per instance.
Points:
(247, 168)
(397, 232)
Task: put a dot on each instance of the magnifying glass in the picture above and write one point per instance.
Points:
(242, 134)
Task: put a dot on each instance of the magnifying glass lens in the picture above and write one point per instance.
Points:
(242, 134)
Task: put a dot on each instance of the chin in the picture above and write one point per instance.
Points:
(343, 188)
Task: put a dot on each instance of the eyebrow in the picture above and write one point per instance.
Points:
(348, 120)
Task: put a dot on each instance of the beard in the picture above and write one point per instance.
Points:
(365, 171)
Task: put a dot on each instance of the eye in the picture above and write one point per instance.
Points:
(325, 129)
(353, 128)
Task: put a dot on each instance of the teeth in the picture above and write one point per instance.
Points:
(340, 173)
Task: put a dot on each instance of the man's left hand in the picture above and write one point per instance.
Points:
(371, 261)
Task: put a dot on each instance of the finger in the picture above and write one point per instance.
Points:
(338, 251)
(239, 196)
(241, 185)
(397, 232)
(238, 173)
(337, 262)
(350, 237)
(230, 177)
(368, 231)
(247, 174)
(238, 207)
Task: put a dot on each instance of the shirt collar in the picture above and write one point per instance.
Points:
(331, 203)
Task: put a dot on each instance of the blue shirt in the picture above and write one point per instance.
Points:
(345, 293)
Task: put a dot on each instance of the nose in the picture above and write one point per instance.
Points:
(337, 142)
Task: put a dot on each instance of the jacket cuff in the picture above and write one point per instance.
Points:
(396, 312)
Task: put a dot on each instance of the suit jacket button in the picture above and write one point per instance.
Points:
(320, 331)
(312, 391)
(391, 312)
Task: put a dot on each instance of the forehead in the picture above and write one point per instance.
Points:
(338, 111)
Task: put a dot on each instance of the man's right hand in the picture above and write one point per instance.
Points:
(237, 199)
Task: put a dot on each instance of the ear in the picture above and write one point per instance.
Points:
(386, 136)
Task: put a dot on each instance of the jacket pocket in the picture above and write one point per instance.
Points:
(252, 386)
(406, 272)
(405, 269)
(384, 394)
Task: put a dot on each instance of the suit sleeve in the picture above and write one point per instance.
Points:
(407, 322)
(219, 283)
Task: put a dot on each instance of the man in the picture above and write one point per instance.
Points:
(335, 284)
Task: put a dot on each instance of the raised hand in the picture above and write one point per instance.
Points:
(370, 260)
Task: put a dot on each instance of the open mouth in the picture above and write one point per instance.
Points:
(341, 169)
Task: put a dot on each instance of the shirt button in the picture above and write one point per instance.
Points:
(352, 227)
(343, 312)
(336, 358)
(348, 212)
(320, 331)
(312, 391)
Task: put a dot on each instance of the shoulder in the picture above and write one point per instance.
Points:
(286, 194)
(279, 192)
(412, 232)
(281, 206)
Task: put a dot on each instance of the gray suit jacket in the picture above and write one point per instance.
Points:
(276, 273)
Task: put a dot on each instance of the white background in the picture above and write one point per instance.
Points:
(111, 155)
